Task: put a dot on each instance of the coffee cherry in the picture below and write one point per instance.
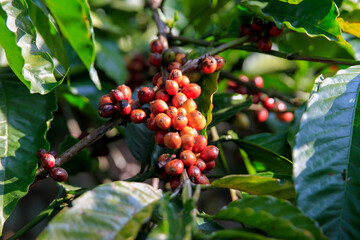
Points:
(195, 119)
(194, 76)
(52, 152)
(163, 121)
(116, 96)
(188, 130)
(174, 182)
(200, 143)
(220, 62)
(126, 91)
(285, 117)
(150, 123)
(242, 90)
(280, 107)
(158, 106)
(137, 116)
(159, 137)
(175, 75)
(243, 78)
(187, 141)
(261, 115)
(171, 87)
(257, 24)
(105, 99)
(182, 111)
(174, 65)
(264, 44)
(124, 107)
(268, 103)
(209, 153)
(245, 30)
(40, 153)
(179, 122)
(168, 56)
(259, 81)
(162, 95)
(274, 31)
(256, 97)
(155, 78)
(181, 58)
(184, 81)
(210, 166)
(188, 157)
(189, 105)
(172, 112)
(155, 59)
(179, 99)
(59, 174)
(192, 90)
(202, 124)
(202, 180)
(172, 140)
(146, 95)
(107, 110)
(200, 164)
(174, 167)
(47, 161)
(156, 46)
(208, 65)
(160, 83)
(194, 173)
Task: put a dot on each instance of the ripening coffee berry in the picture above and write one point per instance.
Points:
(174, 167)
(274, 31)
(208, 65)
(159, 137)
(188, 130)
(116, 96)
(188, 157)
(242, 89)
(191, 90)
(195, 119)
(137, 116)
(146, 94)
(47, 161)
(168, 56)
(285, 116)
(264, 44)
(105, 99)
(158, 106)
(155, 59)
(124, 107)
(174, 182)
(163, 121)
(256, 97)
(202, 180)
(156, 46)
(40, 153)
(259, 81)
(202, 124)
(209, 153)
(179, 122)
(106, 110)
(194, 76)
(210, 166)
(257, 24)
(245, 30)
(220, 62)
(176, 75)
(200, 164)
(59, 174)
(162, 95)
(172, 112)
(155, 78)
(280, 107)
(160, 83)
(187, 142)
(172, 140)
(200, 143)
(171, 87)
(189, 105)
(150, 123)
(194, 173)
(182, 111)
(126, 91)
(181, 58)
(178, 99)
(268, 103)
(184, 81)
(261, 115)
(174, 65)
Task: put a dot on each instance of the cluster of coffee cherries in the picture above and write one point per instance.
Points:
(268, 103)
(47, 160)
(261, 32)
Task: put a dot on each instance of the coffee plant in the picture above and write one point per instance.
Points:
(170, 119)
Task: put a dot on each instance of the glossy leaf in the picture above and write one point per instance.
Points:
(226, 105)
(327, 152)
(275, 217)
(352, 28)
(257, 185)
(237, 234)
(18, 37)
(114, 210)
(24, 120)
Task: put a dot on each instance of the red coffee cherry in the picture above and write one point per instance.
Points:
(273, 30)
(195, 119)
(179, 122)
(209, 154)
(171, 87)
(146, 95)
(172, 112)
(160, 83)
(210, 166)
(163, 121)
(257, 24)
(188, 130)
(150, 123)
(285, 117)
(208, 65)
(168, 56)
(155, 59)
(202, 180)
(124, 107)
(194, 173)
(59, 174)
(126, 91)
(116, 96)
(174, 167)
(175, 75)
(242, 89)
(200, 143)
(162, 95)
(192, 90)
(179, 99)
(261, 115)
(182, 111)
(187, 141)
(137, 116)
(268, 103)
(174, 65)
(155, 78)
(107, 110)
(256, 97)
(156, 46)
(47, 161)
(280, 107)
(40, 153)
(202, 124)
(189, 105)
(174, 182)
(172, 140)
(220, 62)
(200, 164)
(245, 30)
(264, 44)
(259, 81)
(159, 137)
(184, 81)
(188, 157)
(158, 106)
(105, 99)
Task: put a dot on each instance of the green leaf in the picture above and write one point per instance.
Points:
(24, 121)
(73, 18)
(18, 38)
(275, 217)
(327, 152)
(257, 185)
(227, 105)
(140, 140)
(207, 226)
(114, 210)
(209, 86)
(237, 234)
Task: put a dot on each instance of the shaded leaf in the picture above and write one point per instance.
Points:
(114, 210)
(24, 120)
(237, 234)
(326, 154)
